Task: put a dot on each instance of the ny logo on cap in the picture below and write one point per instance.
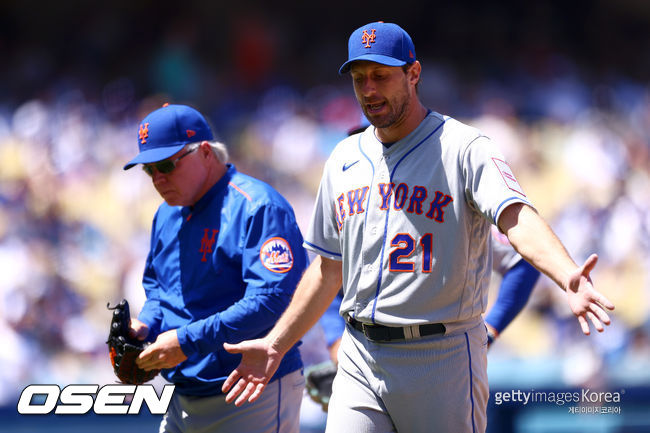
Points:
(368, 39)
(144, 132)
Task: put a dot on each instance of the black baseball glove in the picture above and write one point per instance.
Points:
(124, 350)
(319, 380)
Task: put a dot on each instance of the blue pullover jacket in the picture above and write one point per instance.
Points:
(223, 270)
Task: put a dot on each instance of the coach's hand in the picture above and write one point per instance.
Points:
(165, 352)
(585, 301)
(138, 330)
(259, 362)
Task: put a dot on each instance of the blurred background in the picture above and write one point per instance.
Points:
(564, 87)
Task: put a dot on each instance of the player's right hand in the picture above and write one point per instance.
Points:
(259, 363)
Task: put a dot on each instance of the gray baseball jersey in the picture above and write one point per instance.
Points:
(504, 256)
(411, 222)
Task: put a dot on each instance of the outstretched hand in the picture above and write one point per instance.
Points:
(259, 363)
(585, 302)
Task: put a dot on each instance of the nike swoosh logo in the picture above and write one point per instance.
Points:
(346, 166)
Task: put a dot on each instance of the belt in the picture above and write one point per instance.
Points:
(381, 333)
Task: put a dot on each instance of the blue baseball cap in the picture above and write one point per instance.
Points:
(167, 130)
(380, 42)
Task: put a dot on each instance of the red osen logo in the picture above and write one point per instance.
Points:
(276, 255)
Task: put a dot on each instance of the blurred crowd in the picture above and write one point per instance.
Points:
(74, 227)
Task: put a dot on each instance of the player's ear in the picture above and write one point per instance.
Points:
(414, 72)
(205, 149)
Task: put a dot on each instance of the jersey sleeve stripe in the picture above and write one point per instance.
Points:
(316, 247)
(503, 205)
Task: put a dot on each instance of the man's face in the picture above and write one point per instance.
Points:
(384, 92)
(181, 186)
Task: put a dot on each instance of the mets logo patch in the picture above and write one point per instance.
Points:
(276, 255)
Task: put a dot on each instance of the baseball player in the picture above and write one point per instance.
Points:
(518, 278)
(402, 222)
(224, 260)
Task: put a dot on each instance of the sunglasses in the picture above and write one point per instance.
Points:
(165, 166)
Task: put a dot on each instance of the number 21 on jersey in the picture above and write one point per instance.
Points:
(400, 258)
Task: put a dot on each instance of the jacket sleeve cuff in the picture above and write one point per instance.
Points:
(187, 346)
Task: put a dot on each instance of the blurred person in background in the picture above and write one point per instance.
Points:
(224, 260)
